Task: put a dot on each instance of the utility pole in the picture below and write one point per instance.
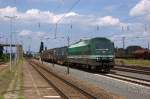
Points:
(145, 27)
(53, 58)
(10, 56)
(55, 31)
(145, 30)
(128, 28)
(148, 45)
(123, 41)
(6, 43)
(97, 28)
(68, 40)
(29, 47)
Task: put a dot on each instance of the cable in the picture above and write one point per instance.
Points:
(68, 11)
(56, 27)
(54, 10)
(128, 19)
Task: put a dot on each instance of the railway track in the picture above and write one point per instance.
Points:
(135, 67)
(63, 87)
(134, 80)
(129, 78)
(132, 69)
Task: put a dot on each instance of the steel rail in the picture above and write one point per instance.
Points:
(129, 79)
(49, 82)
(136, 67)
(131, 70)
(68, 83)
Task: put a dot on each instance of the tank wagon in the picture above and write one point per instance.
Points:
(94, 54)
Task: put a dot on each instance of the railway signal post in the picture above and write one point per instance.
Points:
(53, 59)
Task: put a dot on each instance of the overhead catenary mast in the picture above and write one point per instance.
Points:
(11, 19)
(123, 42)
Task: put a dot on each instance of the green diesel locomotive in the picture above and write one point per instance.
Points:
(95, 54)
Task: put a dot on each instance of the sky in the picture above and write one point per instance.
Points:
(52, 21)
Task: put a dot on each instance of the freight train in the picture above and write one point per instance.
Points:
(94, 54)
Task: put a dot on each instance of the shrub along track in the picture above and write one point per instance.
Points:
(68, 90)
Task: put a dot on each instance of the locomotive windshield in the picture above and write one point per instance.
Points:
(104, 46)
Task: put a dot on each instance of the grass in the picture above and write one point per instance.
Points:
(20, 78)
(139, 62)
(1, 97)
(6, 78)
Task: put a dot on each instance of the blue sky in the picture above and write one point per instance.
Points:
(36, 21)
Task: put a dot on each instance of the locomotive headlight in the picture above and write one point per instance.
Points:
(97, 58)
(110, 58)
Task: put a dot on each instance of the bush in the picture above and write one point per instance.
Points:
(4, 57)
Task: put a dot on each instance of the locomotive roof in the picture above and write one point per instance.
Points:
(86, 42)
(80, 43)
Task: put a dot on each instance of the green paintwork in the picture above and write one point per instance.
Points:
(80, 48)
(95, 46)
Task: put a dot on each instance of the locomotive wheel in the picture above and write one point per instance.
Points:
(92, 67)
(89, 67)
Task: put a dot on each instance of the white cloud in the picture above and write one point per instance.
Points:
(31, 15)
(44, 16)
(33, 11)
(71, 14)
(141, 8)
(25, 33)
(108, 21)
(8, 11)
(29, 33)
(41, 34)
(35, 15)
(45, 1)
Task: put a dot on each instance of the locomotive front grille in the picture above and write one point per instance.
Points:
(98, 59)
(104, 59)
